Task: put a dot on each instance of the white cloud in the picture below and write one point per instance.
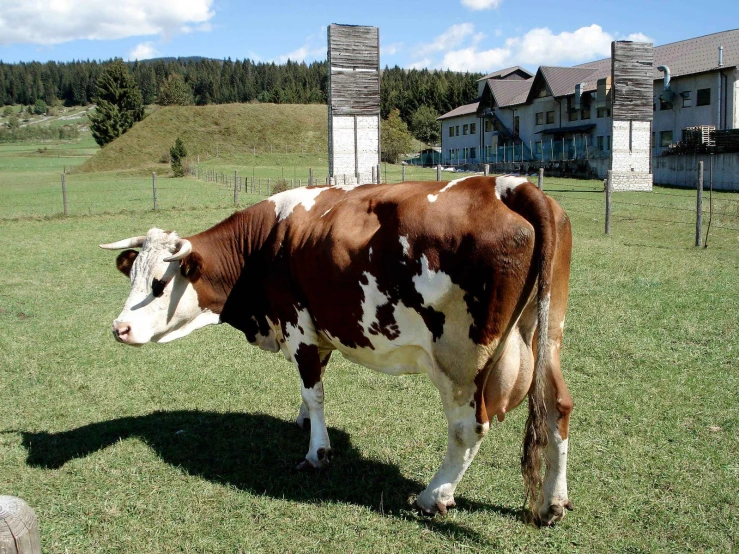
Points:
(460, 48)
(391, 49)
(638, 37)
(451, 38)
(56, 22)
(314, 48)
(481, 4)
(143, 51)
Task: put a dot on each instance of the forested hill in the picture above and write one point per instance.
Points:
(222, 82)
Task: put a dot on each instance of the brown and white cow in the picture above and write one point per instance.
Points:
(465, 281)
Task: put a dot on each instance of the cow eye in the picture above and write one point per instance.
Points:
(157, 287)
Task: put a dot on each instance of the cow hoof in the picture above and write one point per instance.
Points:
(439, 508)
(324, 456)
(555, 513)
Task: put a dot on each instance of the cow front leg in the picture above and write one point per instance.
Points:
(303, 418)
(310, 365)
(465, 434)
(554, 499)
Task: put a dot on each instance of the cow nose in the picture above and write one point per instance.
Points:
(121, 330)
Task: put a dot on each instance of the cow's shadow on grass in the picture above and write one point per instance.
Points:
(256, 453)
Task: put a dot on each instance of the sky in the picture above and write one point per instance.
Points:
(461, 35)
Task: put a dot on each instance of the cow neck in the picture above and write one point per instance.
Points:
(228, 249)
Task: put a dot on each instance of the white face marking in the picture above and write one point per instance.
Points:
(506, 183)
(174, 314)
(406, 246)
(285, 202)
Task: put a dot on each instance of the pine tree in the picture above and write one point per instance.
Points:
(175, 92)
(118, 104)
(177, 153)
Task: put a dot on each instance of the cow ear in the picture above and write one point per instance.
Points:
(191, 266)
(124, 261)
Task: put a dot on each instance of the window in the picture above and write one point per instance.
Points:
(703, 98)
(550, 118)
(654, 144)
(451, 154)
(573, 115)
(599, 143)
(465, 129)
(665, 138)
(664, 105)
(451, 130)
(540, 118)
(687, 100)
(488, 126)
(654, 104)
(473, 129)
(603, 112)
(473, 153)
(456, 130)
(585, 113)
(516, 125)
(608, 142)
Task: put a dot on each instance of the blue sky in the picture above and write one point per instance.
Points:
(473, 35)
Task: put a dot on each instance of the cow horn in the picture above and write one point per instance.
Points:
(133, 242)
(184, 247)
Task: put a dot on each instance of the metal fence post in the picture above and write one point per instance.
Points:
(438, 172)
(609, 191)
(374, 174)
(154, 189)
(699, 207)
(379, 174)
(236, 188)
(540, 184)
(64, 194)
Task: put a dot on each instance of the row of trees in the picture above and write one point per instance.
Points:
(418, 95)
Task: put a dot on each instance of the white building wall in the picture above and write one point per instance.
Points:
(347, 162)
(460, 141)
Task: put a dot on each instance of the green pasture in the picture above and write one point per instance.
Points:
(190, 446)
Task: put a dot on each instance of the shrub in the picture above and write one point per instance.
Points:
(40, 107)
(8, 111)
(178, 153)
(165, 158)
(279, 186)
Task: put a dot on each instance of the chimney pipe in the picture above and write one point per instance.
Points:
(721, 56)
(666, 70)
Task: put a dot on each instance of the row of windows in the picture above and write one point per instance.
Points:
(467, 129)
(702, 98)
(467, 153)
(541, 115)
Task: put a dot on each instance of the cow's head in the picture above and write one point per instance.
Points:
(163, 303)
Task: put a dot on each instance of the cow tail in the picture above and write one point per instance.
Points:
(533, 205)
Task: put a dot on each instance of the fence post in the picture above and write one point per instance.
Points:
(699, 207)
(64, 194)
(609, 191)
(486, 170)
(402, 171)
(236, 189)
(310, 176)
(374, 174)
(154, 189)
(379, 174)
(438, 172)
(20, 527)
(540, 184)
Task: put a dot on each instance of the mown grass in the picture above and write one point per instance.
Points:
(190, 447)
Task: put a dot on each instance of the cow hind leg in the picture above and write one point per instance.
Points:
(465, 433)
(554, 499)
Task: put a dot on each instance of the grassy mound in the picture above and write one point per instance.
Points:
(226, 130)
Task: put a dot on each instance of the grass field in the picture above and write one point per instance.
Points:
(189, 447)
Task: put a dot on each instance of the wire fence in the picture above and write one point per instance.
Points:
(89, 194)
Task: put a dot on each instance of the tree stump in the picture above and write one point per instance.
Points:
(18, 527)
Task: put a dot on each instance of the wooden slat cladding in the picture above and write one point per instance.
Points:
(354, 76)
(632, 67)
(355, 93)
(354, 47)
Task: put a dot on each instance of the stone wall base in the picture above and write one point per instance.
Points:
(631, 181)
